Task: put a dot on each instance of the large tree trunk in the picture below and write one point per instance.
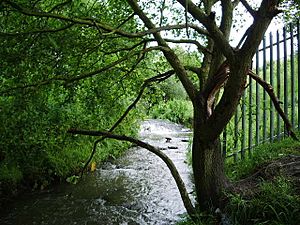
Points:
(208, 166)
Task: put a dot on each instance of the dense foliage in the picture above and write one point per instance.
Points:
(79, 64)
(42, 94)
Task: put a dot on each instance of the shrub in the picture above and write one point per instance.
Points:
(177, 111)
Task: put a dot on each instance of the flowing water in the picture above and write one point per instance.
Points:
(134, 189)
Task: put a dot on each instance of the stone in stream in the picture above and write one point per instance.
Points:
(168, 139)
(172, 147)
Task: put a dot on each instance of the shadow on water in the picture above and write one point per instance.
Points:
(134, 189)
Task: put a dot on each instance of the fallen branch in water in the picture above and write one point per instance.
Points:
(180, 184)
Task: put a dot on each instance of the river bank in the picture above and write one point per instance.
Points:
(136, 188)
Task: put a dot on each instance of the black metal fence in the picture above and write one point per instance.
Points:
(256, 121)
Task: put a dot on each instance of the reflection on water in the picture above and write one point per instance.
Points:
(135, 189)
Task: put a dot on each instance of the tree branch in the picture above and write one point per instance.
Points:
(126, 20)
(162, 12)
(37, 31)
(180, 184)
(94, 23)
(269, 89)
(198, 29)
(39, 84)
(113, 64)
(264, 15)
(83, 75)
(249, 8)
(214, 32)
(158, 78)
(169, 54)
(200, 47)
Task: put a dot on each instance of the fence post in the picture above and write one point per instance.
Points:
(236, 135)
(250, 136)
(278, 67)
(264, 92)
(292, 77)
(285, 75)
(298, 43)
(257, 102)
(243, 127)
(272, 83)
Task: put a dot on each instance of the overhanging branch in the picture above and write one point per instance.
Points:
(158, 78)
(82, 76)
(180, 184)
(37, 31)
(269, 89)
(92, 22)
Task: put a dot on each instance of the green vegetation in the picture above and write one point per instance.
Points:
(266, 195)
(42, 95)
(175, 110)
(261, 155)
(80, 64)
(276, 203)
(274, 199)
(261, 109)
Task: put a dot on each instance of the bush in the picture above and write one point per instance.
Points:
(177, 111)
(35, 146)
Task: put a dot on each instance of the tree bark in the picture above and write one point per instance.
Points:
(208, 168)
(208, 165)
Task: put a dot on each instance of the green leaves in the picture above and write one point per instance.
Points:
(37, 105)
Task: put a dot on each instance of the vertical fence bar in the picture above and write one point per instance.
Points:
(264, 92)
(272, 83)
(236, 136)
(291, 105)
(250, 119)
(278, 81)
(292, 77)
(243, 127)
(298, 43)
(285, 75)
(257, 103)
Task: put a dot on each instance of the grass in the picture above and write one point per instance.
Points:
(272, 200)
(261, 154)
(275, 203)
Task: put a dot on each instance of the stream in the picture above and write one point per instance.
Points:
(135, 189)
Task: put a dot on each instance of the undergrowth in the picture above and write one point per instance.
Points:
(272, 201)
(261, 154)
(275, 203)
(175, 110)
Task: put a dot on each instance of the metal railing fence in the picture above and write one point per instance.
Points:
(256, 121)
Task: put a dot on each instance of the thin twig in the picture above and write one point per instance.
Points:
(158, 78)
(36, 31)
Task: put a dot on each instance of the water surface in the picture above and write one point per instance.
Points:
(134, 189)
